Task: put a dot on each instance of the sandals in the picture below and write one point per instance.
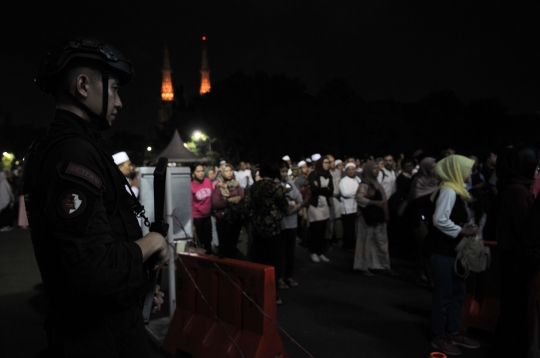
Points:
(282, 285)
(292, 282)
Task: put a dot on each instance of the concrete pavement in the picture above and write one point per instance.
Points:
(334, 312)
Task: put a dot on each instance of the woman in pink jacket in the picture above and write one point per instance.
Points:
(201, 204)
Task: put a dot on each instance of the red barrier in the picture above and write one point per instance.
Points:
(481, 311)
(194, 328)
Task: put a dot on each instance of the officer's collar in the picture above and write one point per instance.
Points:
(73, 121)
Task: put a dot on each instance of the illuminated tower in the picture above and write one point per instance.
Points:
(205, 72)
(167, 91)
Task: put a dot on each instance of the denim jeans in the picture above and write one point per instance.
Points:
(448, 295)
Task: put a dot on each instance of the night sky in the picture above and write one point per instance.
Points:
(386, 49)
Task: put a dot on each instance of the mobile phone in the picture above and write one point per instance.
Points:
(288, 186)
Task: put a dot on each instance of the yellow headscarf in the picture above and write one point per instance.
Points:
(452, 172)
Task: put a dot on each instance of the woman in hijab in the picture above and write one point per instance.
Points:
(227, 199)
(210, 173)
(419, 210)
(371, 236)
(449, 225)
(322, 188)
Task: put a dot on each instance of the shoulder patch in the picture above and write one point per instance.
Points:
(82, 172)
(71, 203)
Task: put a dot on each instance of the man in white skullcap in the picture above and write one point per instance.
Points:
(287, 159)
(348, 186)
(126, 167)
(315, 157)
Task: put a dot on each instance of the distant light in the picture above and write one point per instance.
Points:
(149, 149)
(17, 162)
(5, 153)
(204, 38)
(197, 135)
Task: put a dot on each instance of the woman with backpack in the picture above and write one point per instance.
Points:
(448, 227)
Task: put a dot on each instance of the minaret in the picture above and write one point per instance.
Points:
(167, 91)
(205, 72)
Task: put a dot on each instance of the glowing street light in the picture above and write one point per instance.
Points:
(198, 135)
(149, 149)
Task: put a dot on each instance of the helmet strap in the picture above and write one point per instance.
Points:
(105, 83)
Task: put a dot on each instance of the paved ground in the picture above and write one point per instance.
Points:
(334, 312)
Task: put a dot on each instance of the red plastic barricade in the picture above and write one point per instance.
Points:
(196, 330)
(481, 307)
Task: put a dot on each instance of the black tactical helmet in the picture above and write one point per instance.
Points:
(59, 55)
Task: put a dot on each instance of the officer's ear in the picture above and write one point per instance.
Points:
(82, 85)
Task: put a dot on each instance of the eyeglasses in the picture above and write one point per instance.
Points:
(325, 162)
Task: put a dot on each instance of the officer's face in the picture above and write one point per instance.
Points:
(95, 98)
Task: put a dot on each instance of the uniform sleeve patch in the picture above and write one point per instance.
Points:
(86, 174)
(71, 203)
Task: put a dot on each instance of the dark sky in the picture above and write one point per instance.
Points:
(387, 49)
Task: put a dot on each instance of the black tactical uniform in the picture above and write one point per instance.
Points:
(83, 228)
(83, 231)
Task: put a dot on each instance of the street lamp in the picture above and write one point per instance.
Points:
(198, 135)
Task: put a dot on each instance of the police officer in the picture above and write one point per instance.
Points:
(89, 247)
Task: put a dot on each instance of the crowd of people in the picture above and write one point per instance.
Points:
(96, 265)
(373, 207)
(421, 205)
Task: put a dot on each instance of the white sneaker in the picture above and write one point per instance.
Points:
(315, 258)
(324, 258)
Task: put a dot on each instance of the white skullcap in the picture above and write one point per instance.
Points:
(350, 165)
(338, 161)
(301, 164)
(120, 158)
(222, 162)
(286, 158)
(315, 157)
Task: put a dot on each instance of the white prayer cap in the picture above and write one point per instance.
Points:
(301, 164)
(308, 160)
(350, 165)
(315, 157)
(222, 162)
(338, 161)
(120, 158)
(286, 158)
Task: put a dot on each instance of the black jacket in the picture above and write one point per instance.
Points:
(316, 190)
(83, 232)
